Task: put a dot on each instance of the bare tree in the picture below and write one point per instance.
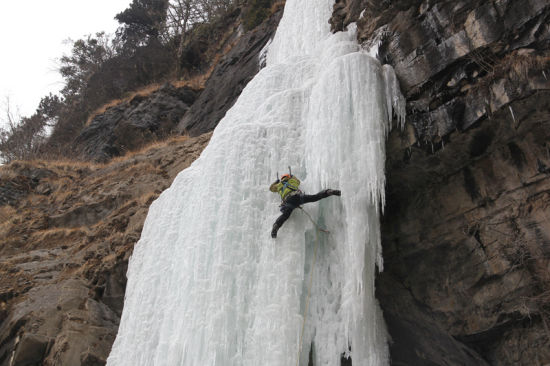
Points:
(183, 15)
(21, 138)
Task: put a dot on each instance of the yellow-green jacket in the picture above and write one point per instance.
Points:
(286, 187)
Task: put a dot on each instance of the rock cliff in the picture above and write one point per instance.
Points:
(466, 231)
(131, 125)
(228, 79)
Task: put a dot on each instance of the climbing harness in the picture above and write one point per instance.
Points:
(318, 228)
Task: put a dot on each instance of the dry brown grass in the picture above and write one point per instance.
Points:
(516, 66)
(6, 224)
(69, 168)
(6, 212)
(145, 91)
(277, 5)
(61, 166)
(62, 194)
(521, 65)
(58, 236)
(196, 82)
(147, 198)
(67, 172)
(7, 173)
(157, 144)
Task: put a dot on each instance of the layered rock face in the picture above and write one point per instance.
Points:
(466, 232)
(466, 243)
(131, 125)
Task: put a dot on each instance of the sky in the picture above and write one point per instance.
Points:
(32, 35)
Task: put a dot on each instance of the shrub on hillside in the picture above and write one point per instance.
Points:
(256, 12)
(158, 40)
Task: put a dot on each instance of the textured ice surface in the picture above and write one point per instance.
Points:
(206, 283)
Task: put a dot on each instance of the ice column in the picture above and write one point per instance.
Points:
(206, 283)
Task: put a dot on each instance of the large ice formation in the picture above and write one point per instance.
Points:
(206, 283)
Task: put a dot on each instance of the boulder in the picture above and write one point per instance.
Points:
(30, 350)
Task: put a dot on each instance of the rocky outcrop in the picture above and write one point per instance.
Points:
(228, 79)
(131, 125)
(457, 61)
(466, 240)
(465, 233)
(66, 240)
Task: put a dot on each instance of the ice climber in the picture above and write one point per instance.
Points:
(293, 197)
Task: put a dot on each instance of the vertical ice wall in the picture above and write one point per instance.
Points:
(206, 283)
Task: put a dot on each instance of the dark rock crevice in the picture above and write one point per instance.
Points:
(470, 246)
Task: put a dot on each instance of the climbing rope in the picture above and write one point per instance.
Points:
(313, 222)
(310, 281)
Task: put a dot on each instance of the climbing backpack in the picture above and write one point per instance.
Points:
(289, 187)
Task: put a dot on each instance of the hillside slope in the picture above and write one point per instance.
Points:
(67, 231)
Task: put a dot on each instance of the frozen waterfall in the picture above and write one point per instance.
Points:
(206, 283)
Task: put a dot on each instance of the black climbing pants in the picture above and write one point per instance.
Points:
(294, 201)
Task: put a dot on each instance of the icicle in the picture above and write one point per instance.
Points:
(372, 46)
(394, 99)
(512, 113)
(262, 57)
